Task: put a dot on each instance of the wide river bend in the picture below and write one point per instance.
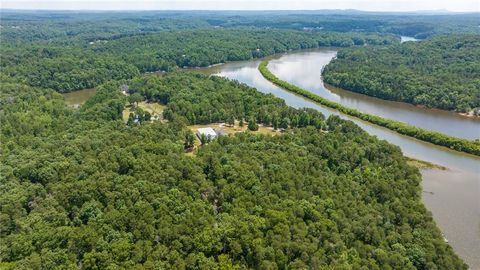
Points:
(452, 195)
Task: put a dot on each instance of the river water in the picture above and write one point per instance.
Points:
(304, 69)
(452, 195)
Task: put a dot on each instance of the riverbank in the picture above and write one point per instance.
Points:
(434, 73)
(470, 114)
(452, 195)
(304, 69)
(423, 165)
(458, 144)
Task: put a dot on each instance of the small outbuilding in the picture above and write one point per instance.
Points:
(124, 89)
(208, 132)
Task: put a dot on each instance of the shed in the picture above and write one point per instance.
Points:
(208, 132)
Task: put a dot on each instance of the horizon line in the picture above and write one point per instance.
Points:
(242, 10)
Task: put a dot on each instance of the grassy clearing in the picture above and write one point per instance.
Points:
(154, 108)
(230, 131)
(125, 114)
(421, 164)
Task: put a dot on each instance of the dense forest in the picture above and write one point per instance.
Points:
(442, 72)
(67, 68)
(75, 28)
(68, 51)
(82, 190)
(107, 186)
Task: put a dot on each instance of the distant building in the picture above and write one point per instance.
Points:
(208, 132)
(124, 89)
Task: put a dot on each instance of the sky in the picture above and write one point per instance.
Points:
(367, 5)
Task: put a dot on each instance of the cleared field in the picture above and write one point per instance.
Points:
(153, 108)
(236, 128)
(230, 130)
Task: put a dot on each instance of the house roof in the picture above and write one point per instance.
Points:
(207, 131)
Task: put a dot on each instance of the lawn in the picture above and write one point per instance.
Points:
(235, 128)
(230, 130)
(154, 108)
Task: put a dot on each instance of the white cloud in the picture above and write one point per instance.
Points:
(371, 5)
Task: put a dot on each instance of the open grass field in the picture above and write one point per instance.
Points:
(236, 128)
(154, 108)
(230, 130)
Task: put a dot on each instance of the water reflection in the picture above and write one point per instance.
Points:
(455, 202)
(456, 191)
(304, 69)
(455, 206)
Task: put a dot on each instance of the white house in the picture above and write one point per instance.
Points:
(208, 132)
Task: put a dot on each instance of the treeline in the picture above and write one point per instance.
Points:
(442, 72)
(463, 145)
(420, 26)
(73, 28)
(185, 96)
(81, 190)
(201, 48)
(68, 68)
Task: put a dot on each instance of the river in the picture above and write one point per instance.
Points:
(451, 195)
(304, 69)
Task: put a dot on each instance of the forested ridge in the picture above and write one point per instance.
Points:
(88, 188)
(442, 72)
(81, 190)
(73, 67)
(459, 144)
(73, 28)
